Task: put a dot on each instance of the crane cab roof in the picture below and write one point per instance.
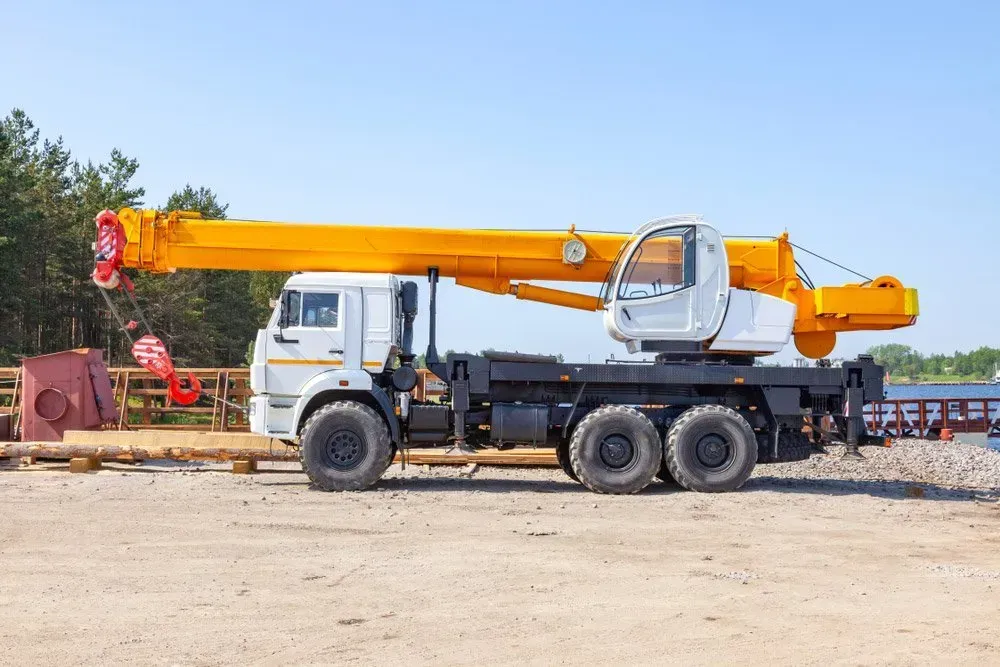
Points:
(325, 280)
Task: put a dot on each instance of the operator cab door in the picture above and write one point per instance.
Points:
(317, 336)
(672, 284)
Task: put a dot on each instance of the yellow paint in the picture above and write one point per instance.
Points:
(306, 362)
(373, 364)
(490, 260)
(815, 344)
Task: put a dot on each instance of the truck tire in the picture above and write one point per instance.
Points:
(345, 446)
(562, 455)
(710, 448)
(615, 449)
(791, 447)
(664, 474)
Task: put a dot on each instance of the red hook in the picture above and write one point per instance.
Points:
(152, 355)
(176, 392)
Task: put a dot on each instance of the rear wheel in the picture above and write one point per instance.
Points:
(562, 455)
(792, 446)
(664, 474)
(345, 446)
(710, 448)
(615, 449)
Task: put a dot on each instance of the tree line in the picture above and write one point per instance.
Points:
(48, 200)
(903, 360)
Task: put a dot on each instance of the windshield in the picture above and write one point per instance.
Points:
(606, 290)
(663, 262)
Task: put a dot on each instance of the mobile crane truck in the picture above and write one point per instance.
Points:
(333, 370)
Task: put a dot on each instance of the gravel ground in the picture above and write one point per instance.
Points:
(814, 563)
(944, 465)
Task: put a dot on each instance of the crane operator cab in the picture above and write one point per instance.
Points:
(669, 291)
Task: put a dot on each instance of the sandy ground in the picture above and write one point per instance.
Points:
(511, 566)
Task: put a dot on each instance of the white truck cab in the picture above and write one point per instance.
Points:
(330, 332)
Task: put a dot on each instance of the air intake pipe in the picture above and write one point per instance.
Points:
(408, 297)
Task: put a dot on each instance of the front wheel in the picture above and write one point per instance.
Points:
(345, 446)
(710, 448)
(562, 456)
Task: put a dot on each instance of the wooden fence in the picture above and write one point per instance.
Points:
(140, 398)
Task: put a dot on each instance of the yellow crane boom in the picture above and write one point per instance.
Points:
(496, 261)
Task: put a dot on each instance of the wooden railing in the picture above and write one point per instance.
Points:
(141, 399)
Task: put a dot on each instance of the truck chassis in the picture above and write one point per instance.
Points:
(615, 426)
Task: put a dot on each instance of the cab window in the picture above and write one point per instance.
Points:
(663, 263)
(320, 310)
(291, 309)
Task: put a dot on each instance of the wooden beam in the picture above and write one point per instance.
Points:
(166, 445)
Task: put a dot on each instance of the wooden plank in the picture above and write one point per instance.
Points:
(203, 428)
(223, 407)
(240, 390)
(142, 391)
(244, 467)
(126, 378)
(177, 410)
(147, 401)
(160, 438)
(219, 406)
(59, 450)
(15, 404)
(139, 371)
(203, 446)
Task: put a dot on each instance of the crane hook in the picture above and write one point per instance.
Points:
(152, 355)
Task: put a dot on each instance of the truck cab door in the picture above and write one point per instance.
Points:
(672, 284)
(319, 334)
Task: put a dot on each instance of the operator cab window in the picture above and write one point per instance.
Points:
(320, 310)
(663, 263)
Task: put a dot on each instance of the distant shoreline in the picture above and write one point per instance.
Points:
(938, 382)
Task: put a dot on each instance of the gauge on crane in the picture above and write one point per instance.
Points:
(574, 252)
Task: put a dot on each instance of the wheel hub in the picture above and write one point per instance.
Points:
(713, 451)
(617, 451)
(345, 450)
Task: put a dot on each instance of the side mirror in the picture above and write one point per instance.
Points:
(283, 318)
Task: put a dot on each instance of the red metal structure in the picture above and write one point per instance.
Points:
(927, 417)
(65, 391)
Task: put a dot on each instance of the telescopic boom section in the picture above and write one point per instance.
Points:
(495, 261)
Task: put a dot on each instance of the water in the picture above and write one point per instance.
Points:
(894, 391)
(898, 391)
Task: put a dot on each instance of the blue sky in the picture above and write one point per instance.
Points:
(867, 130)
